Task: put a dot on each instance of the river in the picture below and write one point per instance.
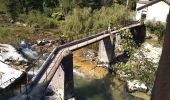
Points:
(108, 88)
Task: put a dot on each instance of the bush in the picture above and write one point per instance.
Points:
(115, 15)
(38, 20)
(48, 11)
(87, 21)
(157, 28)
(80, 21)
(59, 16)
(127, 44)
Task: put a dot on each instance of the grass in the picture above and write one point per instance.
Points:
(12, 34)
(154, 42)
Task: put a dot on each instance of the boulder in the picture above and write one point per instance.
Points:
(136, 85)
(9, 54)
(27, 51)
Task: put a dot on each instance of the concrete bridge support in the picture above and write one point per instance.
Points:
(63, 79)
(106, 49)
(139, 34)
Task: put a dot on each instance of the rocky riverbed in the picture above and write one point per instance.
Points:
(100, 74)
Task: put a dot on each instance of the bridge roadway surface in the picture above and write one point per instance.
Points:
(46, 72)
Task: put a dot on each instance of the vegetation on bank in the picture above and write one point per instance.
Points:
(138, 66)
(71, 18)
(157, 28)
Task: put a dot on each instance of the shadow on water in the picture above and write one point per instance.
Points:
(100, 89)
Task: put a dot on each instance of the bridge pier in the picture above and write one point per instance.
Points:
(63, 79)
(139, 33)
(106, 50)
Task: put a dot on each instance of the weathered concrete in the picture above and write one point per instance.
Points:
(117, 39)
(139, 34)
(67, 63)
(63, 79)
(57, 83)
(106, 49)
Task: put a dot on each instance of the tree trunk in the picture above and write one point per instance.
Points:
(161, 90)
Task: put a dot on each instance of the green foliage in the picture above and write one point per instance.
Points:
(38, 20)
(48, 11)
(12, 8)
(78, 22)
(35, 4)
(139, 67)
(59, 16)
(66, 5)
(131, 5)
(157, 28)
(144, 68)
(50, 3)
(2, 5)
(8, 36)
(87, 21)
(115, 15)
(127, 43)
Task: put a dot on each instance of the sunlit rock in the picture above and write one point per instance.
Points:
(136, 85)
(150, 52)
(9, 54)
(27, 51)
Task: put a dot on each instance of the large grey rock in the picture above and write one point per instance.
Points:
(27, 51)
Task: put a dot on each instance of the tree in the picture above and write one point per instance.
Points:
(50, 3)
(79, 3)
(106, 2)
(66, 5)
(12, 8)
(132, 3)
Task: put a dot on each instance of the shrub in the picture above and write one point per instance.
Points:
(87, 21)
(37, 20)
(157, 28)
(59, 16)
(127, 43)
(48, 11)
(79, 21)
